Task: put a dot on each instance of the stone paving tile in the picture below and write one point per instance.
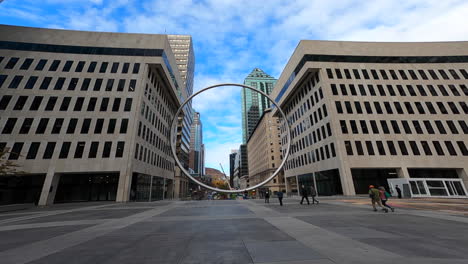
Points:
(16, 238)
(219, 251)
(275, 251)
(207, 210)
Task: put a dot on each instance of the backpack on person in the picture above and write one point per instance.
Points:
(387, 195)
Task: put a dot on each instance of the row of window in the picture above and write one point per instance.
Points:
(317, 135)
(302, 93)
(79, 152)
(315, 117)
(37, 103)
(69, 65)
(42, 124)
(415, 147)
(421, 107)
(403, 90)
(71, 84)
(149, 136)
(407, 127)
(396, 74)
(319, 154)
(146, 155)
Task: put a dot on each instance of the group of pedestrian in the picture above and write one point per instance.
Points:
(279, 194)
(380, 197)
(305, 194)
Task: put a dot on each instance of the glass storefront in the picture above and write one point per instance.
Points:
(21, 189)
(328, 182)
(87, 187)
(144, 186)
(362, 178)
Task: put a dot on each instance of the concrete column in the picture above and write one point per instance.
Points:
(347, 183)
(123, 189)
(49, 189)
(463, 175)
(403, 172)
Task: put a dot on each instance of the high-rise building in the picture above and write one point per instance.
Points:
(253, 103)
(86, 114)
(377, 113)
(197, 148)
(232, 159)
(182, 48)
(264, 154)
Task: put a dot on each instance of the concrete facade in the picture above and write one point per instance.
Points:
(363, 112)
(264, 153)
(80, 104)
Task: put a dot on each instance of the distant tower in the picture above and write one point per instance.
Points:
(197, 162)
(253, 104)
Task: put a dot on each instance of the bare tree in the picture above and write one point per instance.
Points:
(8, 167)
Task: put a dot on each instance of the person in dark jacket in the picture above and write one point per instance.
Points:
(279, 194)
(398, 190)
(304, 194)
(267, 197)
(313, 193)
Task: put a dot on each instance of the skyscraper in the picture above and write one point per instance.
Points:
(196, 146)
(253, 103)
(182, 48)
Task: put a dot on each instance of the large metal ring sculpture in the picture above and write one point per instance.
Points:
(173, 139)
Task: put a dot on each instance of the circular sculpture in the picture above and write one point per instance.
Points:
(173, 139)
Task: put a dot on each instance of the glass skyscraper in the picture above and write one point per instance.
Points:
(253, 103)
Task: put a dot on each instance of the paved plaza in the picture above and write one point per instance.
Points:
(242, 231)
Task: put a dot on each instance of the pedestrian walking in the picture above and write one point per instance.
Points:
(304, 194)
(279, 194)
(374, 194)
(384, 195)
(398, 190)
(267, 197)
(313, 193)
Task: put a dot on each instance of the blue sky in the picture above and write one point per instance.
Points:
(232, 37)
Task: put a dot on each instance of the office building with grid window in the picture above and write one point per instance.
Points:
(368, 113)
(86, 115)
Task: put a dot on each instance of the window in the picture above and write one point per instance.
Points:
(91, 104)
(388, 108)
(384, 74)
(462, 147)
(116, 104)
(450, 148)
(380, 148)
(400, 90)
(54, 66)
(125, 67)
(51, 103)
(370, 148)
(79, 150)
(329, 74)
(359, 149)
(85, 126)
(371, 89)
(463, 126)
(59, 83)
(454, 90)
(421, 90)
(344, 127)
(26, 126)
(385, 129)
(111, 126)
(67, 66)
(49, 151)
(353, 126)
(365, 74)
(132, 85)
(16, 151)
(72, 126)
(356, 74)
(409, 108)
(364, 128)
(338, 74)
(411, 90)
(442, 108)
(5, 101)
(452, 127)
(339, 109)
(31, 82)
(368, 107)
(92, 66)
(128, 105)
(414, 148)
(93, 149)
(417, 127)
(40, 65)
(454, 108)
(396, 128)
(393, 74)
(20, 102)
(381, 90)
(99, 125)
(45, 83)
(136, 69)
(103, 67)
(15, 82)
(423, 74)
(358, 107)
(85, 84)
(107, 149)
(33, 149)
(443, 74)
(26, 64)
(378, 109)
(406, 127)
(431, 108)
(65, 103)
(374, 74)
(333, 88)
(57, 126)
(432, 90)
(362, 90)
(349, 150)
(349, 109)
(11, 63)
(64, 150)
(120, 149)
(114, 68)
(413, 75)
(426, 148)
(80, 66)
(403, 74)
(72, 84)
(78, 104)
(123, 126)
(104, 104)
(121, 85)
(41, 128)
(420, 108)
(464, 73)
(109, 85)
(438, 148)
(403, 149)
(9, 125)
(97, 85)
(443, 91)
